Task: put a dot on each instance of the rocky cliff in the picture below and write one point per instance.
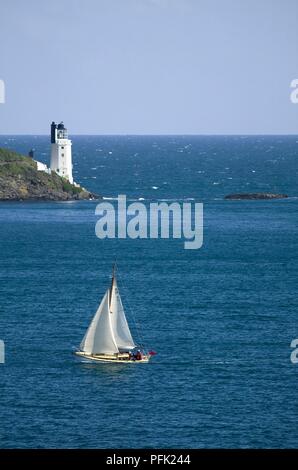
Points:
(20, 180)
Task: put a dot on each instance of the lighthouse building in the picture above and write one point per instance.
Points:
(61, 160)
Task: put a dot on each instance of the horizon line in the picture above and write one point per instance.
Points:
(160, 135)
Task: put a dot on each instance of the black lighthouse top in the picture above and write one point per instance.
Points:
(53, 132)
(62, 134)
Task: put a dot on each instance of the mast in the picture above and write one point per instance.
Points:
(112, 283)
(119, 323)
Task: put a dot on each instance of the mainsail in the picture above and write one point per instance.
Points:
(119, 323)
(108, 331)
(99, 338)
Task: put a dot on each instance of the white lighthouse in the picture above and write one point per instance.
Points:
(61, 160)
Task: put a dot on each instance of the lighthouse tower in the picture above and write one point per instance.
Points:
(61, 160)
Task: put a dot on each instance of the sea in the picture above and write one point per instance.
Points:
(220, 318)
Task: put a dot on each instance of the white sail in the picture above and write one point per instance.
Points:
(99, 338)
(120, 326)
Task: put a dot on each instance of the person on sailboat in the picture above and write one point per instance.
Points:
(138, 355)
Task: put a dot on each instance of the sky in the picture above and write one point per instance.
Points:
(149, 66)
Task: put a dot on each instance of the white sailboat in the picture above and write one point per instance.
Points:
(108, 338)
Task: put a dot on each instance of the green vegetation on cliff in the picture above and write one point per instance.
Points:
(20, 180)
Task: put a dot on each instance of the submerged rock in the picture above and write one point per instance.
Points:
(253, 196)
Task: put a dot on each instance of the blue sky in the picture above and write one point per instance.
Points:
(149, 66)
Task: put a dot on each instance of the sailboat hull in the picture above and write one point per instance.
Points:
(117, 358)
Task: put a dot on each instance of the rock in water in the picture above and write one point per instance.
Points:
(254, 196)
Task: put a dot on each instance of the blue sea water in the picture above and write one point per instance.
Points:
(221, 318)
